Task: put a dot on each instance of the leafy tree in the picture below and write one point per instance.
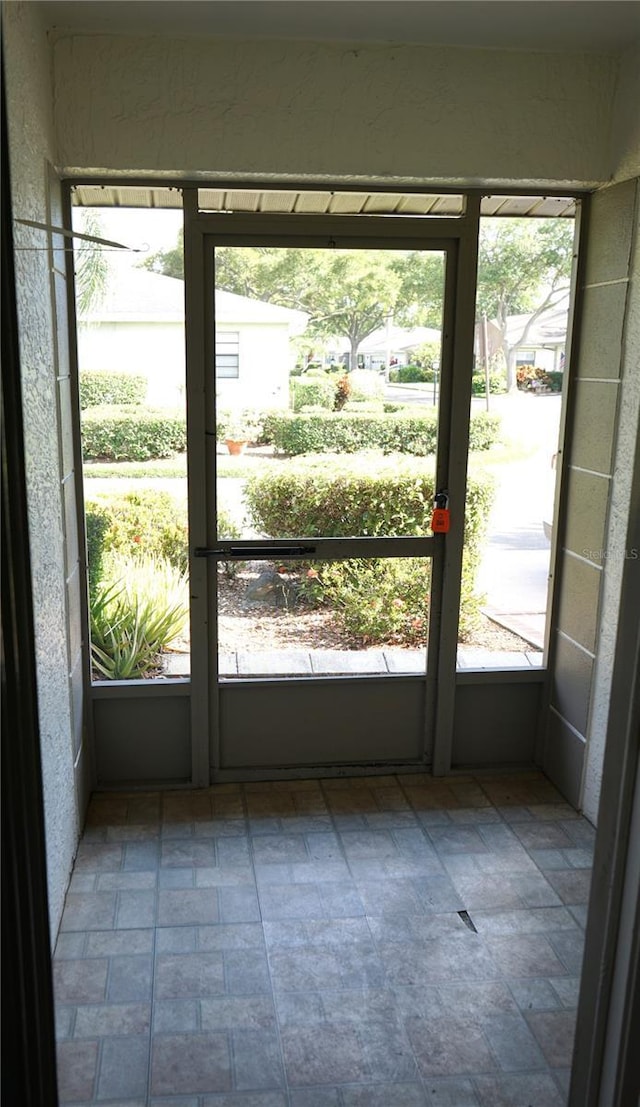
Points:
(92, 267)
(351, 294)
(422, 288)
(524, 267)
(346, 293)
(170, 263)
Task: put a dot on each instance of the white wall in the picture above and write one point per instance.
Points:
(48, 455)
(154, 350)
(198, 105)
(263, 380)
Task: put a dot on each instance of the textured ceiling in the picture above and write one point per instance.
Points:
(564, 25)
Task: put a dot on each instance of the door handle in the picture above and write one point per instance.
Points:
(248, 553)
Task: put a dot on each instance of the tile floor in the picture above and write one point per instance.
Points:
(393, 941)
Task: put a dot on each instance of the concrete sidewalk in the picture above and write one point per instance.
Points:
(306, 663)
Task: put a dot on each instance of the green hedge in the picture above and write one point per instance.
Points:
(131, 433)
(412, 374)
(312, 392)
(364, 407)
(497, 384)
(380, 599)
(484, 430)
(351, 432)
(147, 523)
(554, 379)
(99, 387)
(98, 521)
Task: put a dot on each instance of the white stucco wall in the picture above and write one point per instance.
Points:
(263, 380)
(618, 552)
(154, 350)
(198, 105)
(31, 139)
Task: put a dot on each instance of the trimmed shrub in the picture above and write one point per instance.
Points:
(351, 432)
(100, 386)
(312, 392)
(97, 522)
(343, 392)
(380, 599)
(365, 407)
(497, 384)
(132, 433)
(146, 523)
(554, 380)
(484, 430)
(411, 374)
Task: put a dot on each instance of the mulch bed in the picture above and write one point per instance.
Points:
(254, 624)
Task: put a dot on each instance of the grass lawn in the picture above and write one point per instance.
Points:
(176, 467)
(248, 464)
(137, 470)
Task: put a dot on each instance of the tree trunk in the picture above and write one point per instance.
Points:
(510, 357)
(353, 355)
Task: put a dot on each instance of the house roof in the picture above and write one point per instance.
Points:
(399, 338)
(231, 308)
(550, 329)
(138, 296)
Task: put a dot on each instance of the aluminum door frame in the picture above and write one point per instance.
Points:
(458, 237)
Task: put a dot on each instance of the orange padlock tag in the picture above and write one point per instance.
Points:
(440, 520)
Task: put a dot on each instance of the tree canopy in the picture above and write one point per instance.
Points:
(524, 267)
(169, 263)
(346, 293)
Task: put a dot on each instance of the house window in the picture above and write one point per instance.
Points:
(227, 354)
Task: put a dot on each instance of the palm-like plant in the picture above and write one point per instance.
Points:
(129, 629)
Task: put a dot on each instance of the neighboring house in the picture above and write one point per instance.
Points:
(396, 344)
(545, 341)
(138, 327)
(253, 352)
(543, 344)
(399, 345)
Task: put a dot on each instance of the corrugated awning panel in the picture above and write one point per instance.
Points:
(321, 202)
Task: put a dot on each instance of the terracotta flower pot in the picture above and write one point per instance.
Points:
(235, 446)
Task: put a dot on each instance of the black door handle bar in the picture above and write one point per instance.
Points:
(248, 553)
